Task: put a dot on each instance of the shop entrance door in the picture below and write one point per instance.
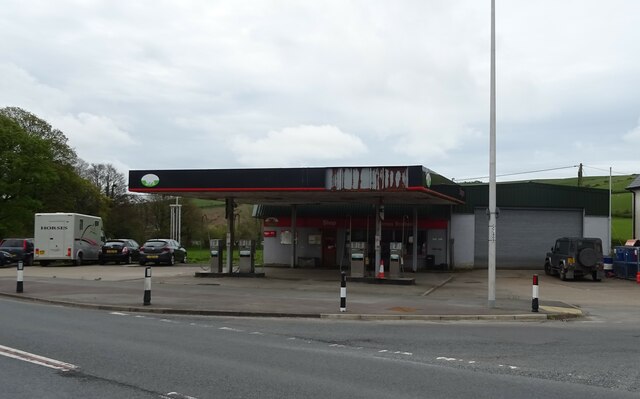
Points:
(329, 248)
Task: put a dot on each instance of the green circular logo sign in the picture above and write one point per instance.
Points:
(150, 180)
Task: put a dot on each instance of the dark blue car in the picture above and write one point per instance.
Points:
(162, 250)
(20, 249)
(119, 250)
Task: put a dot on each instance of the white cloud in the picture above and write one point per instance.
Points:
(293, 146)
(408, 80)
(97, 139)
(633, 135)
(18, 88)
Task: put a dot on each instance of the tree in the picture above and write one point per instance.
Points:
(193, 228)
(106, 178)
(40, 128)
(26, 166)
(39, 172)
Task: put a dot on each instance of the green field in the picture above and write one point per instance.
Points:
(621, 230)
(205, 203)
(621, 202)
(202, 255)
(618, 183)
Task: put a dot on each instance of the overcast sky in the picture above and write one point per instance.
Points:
(234, 84)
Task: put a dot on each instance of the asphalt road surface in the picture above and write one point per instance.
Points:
(56, 352)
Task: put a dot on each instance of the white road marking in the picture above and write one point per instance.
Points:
(119, 314)
(448, 359)
(176, 395)
(230, 329)
(256, 333)
(36, 359)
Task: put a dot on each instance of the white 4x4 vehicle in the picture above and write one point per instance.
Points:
(573, 257)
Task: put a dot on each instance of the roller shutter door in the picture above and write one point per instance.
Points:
(524, 236)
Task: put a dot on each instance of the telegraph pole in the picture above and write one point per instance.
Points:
(492, 167)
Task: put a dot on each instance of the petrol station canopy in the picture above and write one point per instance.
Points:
(415, 185)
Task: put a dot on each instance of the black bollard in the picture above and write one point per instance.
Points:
(343, 292)
(147, 286)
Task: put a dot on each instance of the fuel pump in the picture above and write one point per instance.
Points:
(217, 250)
(358, 258)
(247, 250)
(395, 259)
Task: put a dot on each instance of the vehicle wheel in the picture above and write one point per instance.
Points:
(44, 263)
(117, 262)
(78, 261)
(28, 261)
(142, 263)
(563, 274)
(129, 259)
(101, 261)
(547, 269)
(594, 276)
(172, 260)
(185, 258)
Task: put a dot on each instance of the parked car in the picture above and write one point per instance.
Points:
(574, 257)
(162, 250)
(21, 249)
(5, 258)
(125, 250)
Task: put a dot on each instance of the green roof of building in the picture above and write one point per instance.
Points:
(594, 201)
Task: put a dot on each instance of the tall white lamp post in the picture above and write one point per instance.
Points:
(492, 167)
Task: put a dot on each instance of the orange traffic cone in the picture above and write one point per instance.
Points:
(380, 273)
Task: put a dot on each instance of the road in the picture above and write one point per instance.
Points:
(125, 355)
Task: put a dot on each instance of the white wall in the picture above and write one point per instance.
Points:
(598, 226)
(462, 232)
(276, 253)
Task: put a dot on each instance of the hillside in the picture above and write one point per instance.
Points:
(620, 197)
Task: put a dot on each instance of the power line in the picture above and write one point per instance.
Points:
(607, 170)
(519, 173)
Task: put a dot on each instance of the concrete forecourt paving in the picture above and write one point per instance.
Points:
(313, 293)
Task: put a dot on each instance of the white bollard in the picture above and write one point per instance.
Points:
(147, 286)
(19, 286)
(534, 301)
(343, 292)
